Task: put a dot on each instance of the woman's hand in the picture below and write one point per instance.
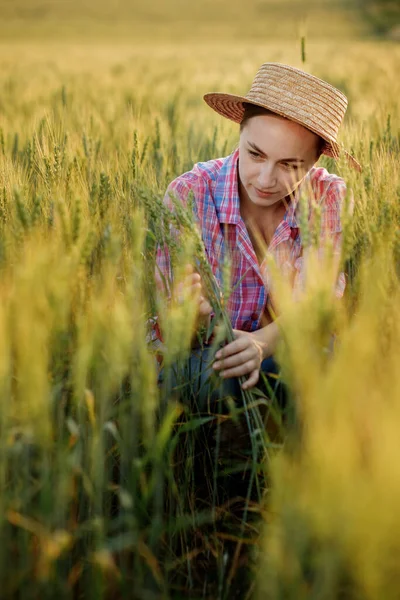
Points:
(243, 356)
(191, 287)
(194, 280)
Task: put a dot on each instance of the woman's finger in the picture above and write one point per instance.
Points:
(235, 360)
(205, 307)
(194, 284)
(192, 279)
(238, 333)
(252, 380)
(243, 369)
(233, 347)
(188, 269)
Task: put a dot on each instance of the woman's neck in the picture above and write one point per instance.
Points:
(261, 222)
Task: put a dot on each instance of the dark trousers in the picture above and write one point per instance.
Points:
(217, 455)
(227, 425)
(195, 383)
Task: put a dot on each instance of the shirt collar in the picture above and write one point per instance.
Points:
(226, 193)
(290, 214)
(227, 200)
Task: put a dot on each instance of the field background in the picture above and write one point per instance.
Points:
(179, 20)
(100, 108)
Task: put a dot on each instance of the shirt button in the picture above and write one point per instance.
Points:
(254, 316)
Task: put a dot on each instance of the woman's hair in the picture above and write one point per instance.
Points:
(252, 110)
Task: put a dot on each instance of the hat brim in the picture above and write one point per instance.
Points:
(231, 107)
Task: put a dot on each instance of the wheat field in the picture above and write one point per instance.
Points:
(110, 484)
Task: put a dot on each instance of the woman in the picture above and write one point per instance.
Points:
(249, 201)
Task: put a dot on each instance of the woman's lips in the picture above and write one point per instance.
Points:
(264, 194)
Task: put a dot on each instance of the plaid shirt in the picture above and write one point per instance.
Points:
(217, 204)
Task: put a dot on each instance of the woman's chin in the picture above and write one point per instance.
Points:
(268, 200)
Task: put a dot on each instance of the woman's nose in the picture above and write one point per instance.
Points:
(267, 178)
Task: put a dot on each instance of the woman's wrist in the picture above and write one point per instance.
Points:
(268, 338)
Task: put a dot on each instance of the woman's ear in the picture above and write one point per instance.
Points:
(320, 148)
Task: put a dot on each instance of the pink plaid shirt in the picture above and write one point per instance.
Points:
(217, 205)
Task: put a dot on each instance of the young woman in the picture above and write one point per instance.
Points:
(249, 201)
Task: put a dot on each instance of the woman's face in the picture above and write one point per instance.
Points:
(274, 156)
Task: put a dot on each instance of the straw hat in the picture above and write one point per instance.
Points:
(293, 94)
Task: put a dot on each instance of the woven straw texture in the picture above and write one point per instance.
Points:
(293, 94)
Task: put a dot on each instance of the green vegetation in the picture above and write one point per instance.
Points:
(384, 15)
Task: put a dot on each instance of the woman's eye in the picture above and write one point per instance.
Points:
(290, 166)
(255, 154)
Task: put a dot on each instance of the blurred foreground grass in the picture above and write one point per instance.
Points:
(97, 464)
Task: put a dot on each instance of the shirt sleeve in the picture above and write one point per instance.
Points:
(332, 195)
(178, 188)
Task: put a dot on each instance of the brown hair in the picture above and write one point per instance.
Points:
(252, 110)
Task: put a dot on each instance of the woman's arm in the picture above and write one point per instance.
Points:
(190, 286)
(268, 337)
(335, 202)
